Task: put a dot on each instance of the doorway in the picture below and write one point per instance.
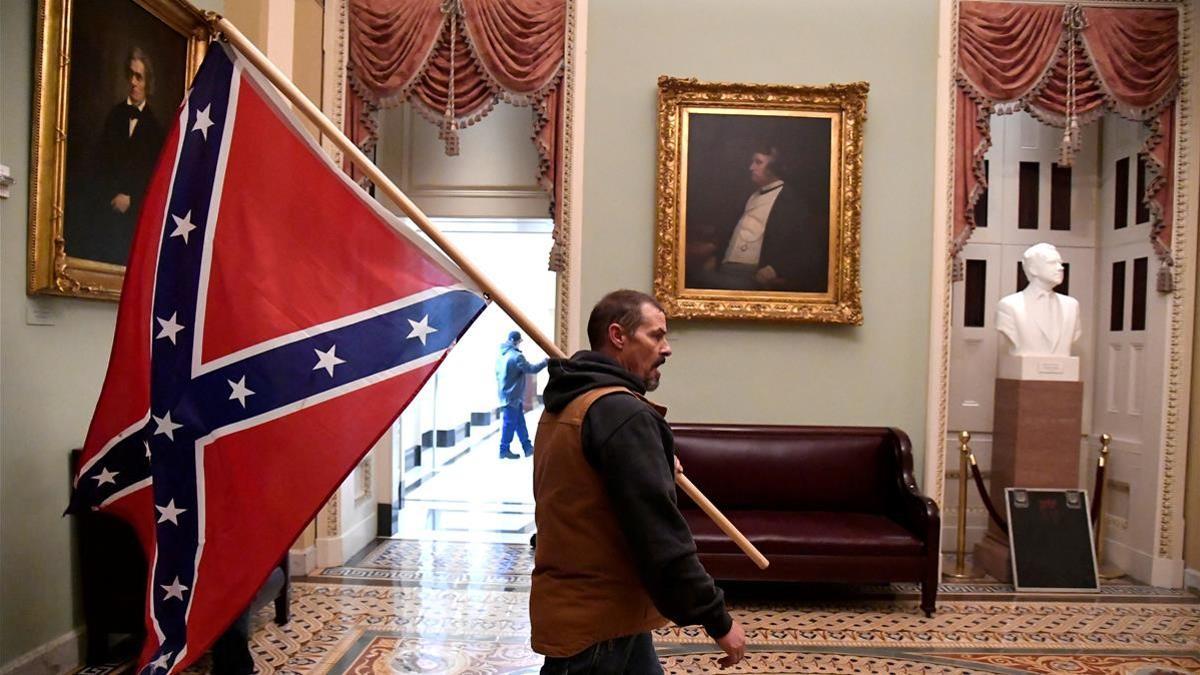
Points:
(451, 483)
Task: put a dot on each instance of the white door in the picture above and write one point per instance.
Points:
(1130, 355)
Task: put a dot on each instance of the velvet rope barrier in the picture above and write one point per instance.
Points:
(987, 501)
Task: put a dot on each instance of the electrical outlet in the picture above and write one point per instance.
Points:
(42, 311)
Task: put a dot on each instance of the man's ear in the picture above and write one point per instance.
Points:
(616, 335)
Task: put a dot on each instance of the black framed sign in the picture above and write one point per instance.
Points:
(1050, 539)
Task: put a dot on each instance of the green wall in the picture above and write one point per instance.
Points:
(742, 372)
(50, 377)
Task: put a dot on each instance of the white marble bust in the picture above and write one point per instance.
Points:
(1037, 321)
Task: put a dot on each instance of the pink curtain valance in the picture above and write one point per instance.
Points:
(1066, 65)
(454, 60)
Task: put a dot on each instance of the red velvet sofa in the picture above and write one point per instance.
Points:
(821, 503)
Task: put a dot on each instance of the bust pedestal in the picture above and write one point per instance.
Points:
(1035, 441)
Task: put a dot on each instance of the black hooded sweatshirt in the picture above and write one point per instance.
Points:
(630, 445)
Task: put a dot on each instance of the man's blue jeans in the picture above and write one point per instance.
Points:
(513, 419)
(632, 654)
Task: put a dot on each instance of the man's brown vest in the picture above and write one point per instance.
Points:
(585, 586)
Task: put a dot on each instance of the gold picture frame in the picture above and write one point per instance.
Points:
(759, 203)
(88, 54)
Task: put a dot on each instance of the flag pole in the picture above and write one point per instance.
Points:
(380, 179)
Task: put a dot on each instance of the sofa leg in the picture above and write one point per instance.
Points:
(282, 613)
(929, 589)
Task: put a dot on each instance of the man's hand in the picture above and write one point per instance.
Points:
(765, 275)
(120, 203)
(733, 644)
(678, 466)
(701, 249)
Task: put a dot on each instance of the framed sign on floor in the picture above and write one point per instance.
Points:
(1050, 537)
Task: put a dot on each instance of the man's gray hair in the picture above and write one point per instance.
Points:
(139, 54)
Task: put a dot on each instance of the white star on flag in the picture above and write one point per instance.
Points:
(169, 512)
(175, 590)
(327, 360)
(202, 121)
(162, 662)
(183, 226)
(421, 329)
(106, 476)
(166, 425)
(169, 327)
(240, 390)
(147, 444)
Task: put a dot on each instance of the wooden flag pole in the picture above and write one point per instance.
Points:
(385, 184)
(722, 522)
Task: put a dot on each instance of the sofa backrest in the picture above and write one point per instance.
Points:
(792, 467)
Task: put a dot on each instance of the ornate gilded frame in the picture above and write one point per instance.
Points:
(50, 269)
(845, 105)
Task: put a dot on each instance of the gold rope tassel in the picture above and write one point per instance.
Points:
(1073, 23)
(448, 132)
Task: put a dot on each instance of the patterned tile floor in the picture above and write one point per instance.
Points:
(475, 497)
(451, 595)
(461, 607)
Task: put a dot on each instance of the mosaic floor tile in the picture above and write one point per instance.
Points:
(445, 607)
(462, 608)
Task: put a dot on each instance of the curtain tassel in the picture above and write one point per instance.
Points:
(448, 132)
(1073, 23)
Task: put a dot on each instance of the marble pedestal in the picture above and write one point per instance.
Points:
(1035, 444)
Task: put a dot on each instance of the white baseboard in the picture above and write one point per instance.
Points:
(302, 561)
(1167, 573)
(1137, 564)
(60, 655)
(1191, 579)
(334, 551)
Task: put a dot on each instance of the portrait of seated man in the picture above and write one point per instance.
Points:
(129, 145)
(102, 216)
(779, 242)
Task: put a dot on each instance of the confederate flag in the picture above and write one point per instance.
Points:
(273, 323)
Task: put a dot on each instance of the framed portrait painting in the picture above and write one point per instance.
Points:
(759, 201)
(109, 76)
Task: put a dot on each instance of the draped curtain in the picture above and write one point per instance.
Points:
(454, 60)
(1066, 65)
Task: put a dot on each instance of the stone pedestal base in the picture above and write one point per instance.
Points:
(991, 556)
(1035, 444)
(1036, 434)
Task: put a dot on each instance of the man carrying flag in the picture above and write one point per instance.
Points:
(273, 323)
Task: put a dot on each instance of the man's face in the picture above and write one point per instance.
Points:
(1047, 267)
(647, 348)
(137, 81)
(760, 171)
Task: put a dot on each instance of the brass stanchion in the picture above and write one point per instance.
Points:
(960, 556)
(1106, 572)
